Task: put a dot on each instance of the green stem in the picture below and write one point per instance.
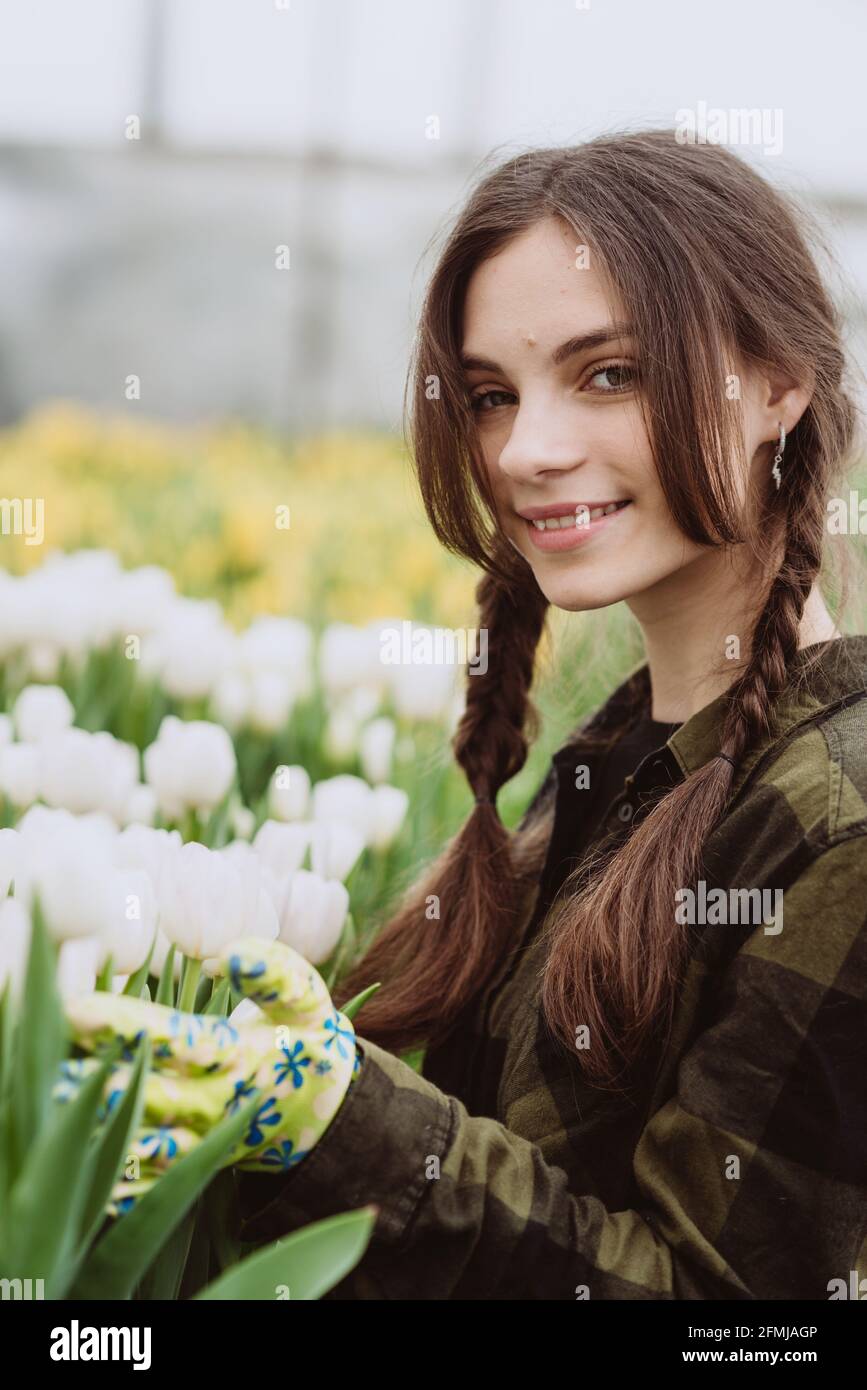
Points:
(189, 983)
(105, 976)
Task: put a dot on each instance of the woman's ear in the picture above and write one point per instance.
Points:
(783, 399)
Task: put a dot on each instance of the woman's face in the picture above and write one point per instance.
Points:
(560, 426)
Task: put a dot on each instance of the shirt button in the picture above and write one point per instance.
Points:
(625, 812)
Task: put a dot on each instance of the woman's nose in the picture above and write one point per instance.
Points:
(541, 442)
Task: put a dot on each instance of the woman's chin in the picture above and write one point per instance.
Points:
(573, 596)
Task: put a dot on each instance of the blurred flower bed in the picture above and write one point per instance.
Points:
(203, 504)
(268, 766)
(168, 783)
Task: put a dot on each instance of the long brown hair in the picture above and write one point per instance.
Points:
(713, 267)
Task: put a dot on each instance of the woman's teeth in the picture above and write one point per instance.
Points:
(558, 523)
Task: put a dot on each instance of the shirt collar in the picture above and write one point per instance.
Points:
(838, 676)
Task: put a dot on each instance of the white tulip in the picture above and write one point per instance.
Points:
(334, 848)
(271, 701)
(88, 618)
(281, 848)
(190, 766)
(72, 875)
(237, 851)
(20, 773)
(143, 599)
(259, 909)
(340, 738)
(243, 822)
(81, 771)
(376, 812)
(7, 730)
(78, 963)
(70, 602)
(26, 618)
(122, 774)
(381, 633)
(201, 901)
(312, 913)
(50, 823)
(289, 793)
(92, 566)
(424, 691)
(141, 807)
(259, 917)
(41, 710)
(133, 923)
(280, 645)
(143, 847)
(43, 661)
(43, 822)
(389, 807)
(363, 702)
(230, 699)
(100, 824)
(376, 749)
(349, 656)
(14, 944)
(191, 649)
(344, 797)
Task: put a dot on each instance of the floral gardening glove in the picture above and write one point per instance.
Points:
(299, 1054)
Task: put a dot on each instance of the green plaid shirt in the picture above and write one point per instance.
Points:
(735, 1167)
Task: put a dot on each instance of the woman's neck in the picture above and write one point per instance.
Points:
(696, 635)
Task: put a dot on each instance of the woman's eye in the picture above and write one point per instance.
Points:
(476, 401)
(619, 370)
(616, 377)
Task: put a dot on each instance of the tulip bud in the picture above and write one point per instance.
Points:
(20, 770)
(312, 912)
(377, 749)
(281, 848)
(289, 793)
(389, 806)
(14, 944)
(41, 710)
(201, 901)
(190, 766)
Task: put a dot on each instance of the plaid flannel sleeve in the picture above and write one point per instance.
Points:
(752, 1175)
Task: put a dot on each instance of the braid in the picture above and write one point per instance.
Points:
(776, 632)
(492, 737)
(457, 921)
(616, 909)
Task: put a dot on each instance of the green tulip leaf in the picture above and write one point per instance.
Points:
(305, 1265)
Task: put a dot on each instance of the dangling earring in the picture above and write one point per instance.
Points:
(778, 457)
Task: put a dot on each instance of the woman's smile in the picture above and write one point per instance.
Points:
(564, 526)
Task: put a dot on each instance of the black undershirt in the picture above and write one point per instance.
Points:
(646, 736)
(623, 758)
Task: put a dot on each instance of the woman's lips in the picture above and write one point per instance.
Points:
(569, 537)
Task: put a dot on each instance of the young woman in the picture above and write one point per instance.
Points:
(645, 1010)
(620, 1099)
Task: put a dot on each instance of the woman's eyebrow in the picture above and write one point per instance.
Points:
(597, 337)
